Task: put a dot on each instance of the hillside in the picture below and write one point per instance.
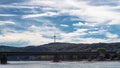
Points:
(62, 47)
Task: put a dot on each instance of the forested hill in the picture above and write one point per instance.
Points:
(62, 47)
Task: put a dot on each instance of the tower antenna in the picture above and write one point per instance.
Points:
(54, 37)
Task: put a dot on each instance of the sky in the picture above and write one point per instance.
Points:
(35, 22)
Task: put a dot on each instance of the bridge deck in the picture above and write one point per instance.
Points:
(56, 58)
(46, 53)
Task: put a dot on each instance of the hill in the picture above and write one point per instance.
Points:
(62, 47)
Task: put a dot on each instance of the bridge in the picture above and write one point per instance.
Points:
(57, 55)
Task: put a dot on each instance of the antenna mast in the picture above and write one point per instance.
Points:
(54, 38)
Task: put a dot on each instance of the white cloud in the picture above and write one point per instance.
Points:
(66, 4)
(115, 22)
(41, 35)
(110, 35)
(96, 15)
(91, 40)
(92, 14)
(35, 35)
(6, 22)
(40, 15)
(79, 37)
(104, 2)
(17, 6)
(29, 37)
(5, 15)
(64, 25)
(78, 33)
(79, 24)
(98, 30)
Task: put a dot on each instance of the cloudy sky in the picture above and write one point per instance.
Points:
(34, 22)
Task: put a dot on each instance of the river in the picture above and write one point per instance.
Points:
(49, 64)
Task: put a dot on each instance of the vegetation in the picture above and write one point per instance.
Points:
(64, 47)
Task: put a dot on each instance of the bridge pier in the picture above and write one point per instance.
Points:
(56, 58)
(90, 58)
(70, 57)
(3, 59)
(111, 56)
(79, 58)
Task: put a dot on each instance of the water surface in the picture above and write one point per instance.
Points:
(49, 64)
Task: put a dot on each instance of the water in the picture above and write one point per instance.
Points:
(49, 64)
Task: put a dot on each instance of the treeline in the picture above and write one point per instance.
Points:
(62, 47)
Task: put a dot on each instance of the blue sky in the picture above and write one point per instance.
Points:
(34, 22)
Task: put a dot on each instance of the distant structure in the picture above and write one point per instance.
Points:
(54, 38)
